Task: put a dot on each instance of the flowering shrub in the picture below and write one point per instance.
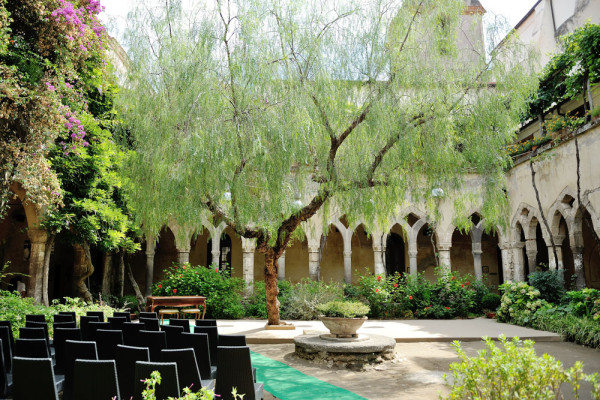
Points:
(522, 147)
(519, 303)
(585, 303)
(223, 293)
(513, 373)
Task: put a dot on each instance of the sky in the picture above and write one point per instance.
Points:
(115, 13)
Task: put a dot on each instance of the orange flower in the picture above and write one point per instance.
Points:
(174, 291)
(410, 297)
(378, 278)
(181, 275)
(216, 269)
(376, 290)
(184, 267)
(461, 285)
(447, 308)
(395, 285)
(159, 286)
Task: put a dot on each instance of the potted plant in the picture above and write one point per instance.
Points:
(490, 303)
(342, 317)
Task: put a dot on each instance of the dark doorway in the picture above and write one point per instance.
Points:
(394, 254)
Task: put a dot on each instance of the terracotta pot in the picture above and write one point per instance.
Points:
(491, 315)
(343, 327)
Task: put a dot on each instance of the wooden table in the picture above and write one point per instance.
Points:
(176, 301)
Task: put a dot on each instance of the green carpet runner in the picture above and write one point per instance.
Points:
(287, 383)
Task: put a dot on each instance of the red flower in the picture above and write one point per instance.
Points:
(376, 290)
(461, 285)
(184, 267)
(159, 286)
(378, 278)
(430, 306)
(410, 297)
(395, 285)
(181, 275)
(174, 291)
(447, 308)
(453, 278)
(216, 269)
(467, 283)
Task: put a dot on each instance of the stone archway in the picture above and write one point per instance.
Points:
(396, 257)
(362, 253)
(332, 260)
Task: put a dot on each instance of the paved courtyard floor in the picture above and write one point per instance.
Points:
(424, 353)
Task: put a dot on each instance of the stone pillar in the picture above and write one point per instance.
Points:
(412, 261)
(519, 268)
(348, 266)
(507, 272)
(531, 251)
(248, 247)
(216, 251)
(150, 250)
(38, 239)
(378, 254)
(559, 254)
(578, 266)
(476, 250)
(313, 263)
(281, 267)
(444, 256)
(183, 255)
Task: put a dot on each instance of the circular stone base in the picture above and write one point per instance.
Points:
(334, 338)
(346, 353)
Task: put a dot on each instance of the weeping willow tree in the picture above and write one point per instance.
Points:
(263, 112)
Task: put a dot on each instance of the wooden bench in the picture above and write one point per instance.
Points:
(176, 301)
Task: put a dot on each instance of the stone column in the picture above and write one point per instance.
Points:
(183, 255)
(281, 267)
(150, 251)
(519, 269)
(38, 239)
(378, 254)
(476, 250)
(248, 247)
(507, 272)
(348, 266)
(531, 251)
(216, 251)
(313, 262)
(444, 256)
(412, 261)
(578, 266)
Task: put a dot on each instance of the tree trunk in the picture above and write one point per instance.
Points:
(271, 288)
(108, 273)
(46, 270)
(542, 215)
(89, 270)
(136, 288)
(121, 274)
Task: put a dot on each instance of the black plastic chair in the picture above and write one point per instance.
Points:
(213, 340)
(75, 350)
(131, 333)
(73, 314)
(99, 314)
(67, 324)
(84, 322)
(12, 337)
(148, 314)
(155, 341)
(31, 348)
(116, 323)
(94, 326)
(199, 342)
(95, 380)
(168, 372)
(173, 334)
(63, 318)
(43, 325)
(7, 350)
(187, 368)
(206, 322)
(126, 357)
(106, 342)
(34, 379)
(123, 314)
(151, 324)
(35, 333)
(35, 318)
(235, 370)
(184, 323)
(61, 335)
(4, 377)
(232, 340)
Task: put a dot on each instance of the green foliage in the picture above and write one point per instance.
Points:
(451, 295)
(581, 330)
(155, 379)
(256, 303)
(519, 303)
(491, 301)
(514, 372)
(223, 293)
(550, 284)
(585, 303)
(302, 299)
(343, 309)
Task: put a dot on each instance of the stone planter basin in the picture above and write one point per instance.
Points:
(343, 327)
